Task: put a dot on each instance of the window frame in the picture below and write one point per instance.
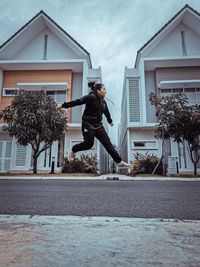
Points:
(11, 89)
(185, 90)
(145, 147)
(55, 93)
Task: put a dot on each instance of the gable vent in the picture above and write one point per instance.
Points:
(45, 47)
(184, 51)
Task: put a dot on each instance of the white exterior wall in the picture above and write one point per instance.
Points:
(55, 48)
(124, 112)
(131, 86)
(123, 134)
(77, 93)
(171, 45)
(142, 92)
(103, 159)
(192, 43)
(143, 135)
(124, 148)
(150, 88)
(84, 82)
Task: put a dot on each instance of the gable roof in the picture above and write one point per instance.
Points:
(56, 25)
(161, 30)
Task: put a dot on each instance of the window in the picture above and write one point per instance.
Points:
(58, 96)
(198, 94)
(166, 92)
(177, 90)
(144, 144)
(193, 94)
(139, 144)
(10, 91)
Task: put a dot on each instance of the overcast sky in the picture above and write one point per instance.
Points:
(110, 30)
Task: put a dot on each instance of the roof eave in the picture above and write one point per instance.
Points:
(17, 32)
(43, 13)
(158, 32)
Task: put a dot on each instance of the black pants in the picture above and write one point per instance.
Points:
(91, 131)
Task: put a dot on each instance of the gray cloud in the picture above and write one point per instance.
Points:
(111, 30)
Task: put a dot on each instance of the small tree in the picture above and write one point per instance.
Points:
(86, 164)
(145, 164)
(33, 119)
(179, 121)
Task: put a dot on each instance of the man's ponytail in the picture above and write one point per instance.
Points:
(95, 86)
(91, 85)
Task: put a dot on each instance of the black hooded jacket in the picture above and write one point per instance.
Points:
(95, 107)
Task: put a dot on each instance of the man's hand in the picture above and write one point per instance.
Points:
(111, 124)
(59, 106)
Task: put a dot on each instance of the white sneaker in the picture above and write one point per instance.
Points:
(123, 164)
(71, 154)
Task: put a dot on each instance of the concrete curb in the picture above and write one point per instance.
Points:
(93, 218)
(117, 177)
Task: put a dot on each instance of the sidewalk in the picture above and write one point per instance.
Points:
(27, 240)
(100, 177)
(97, 241)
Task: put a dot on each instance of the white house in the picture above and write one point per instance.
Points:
(41, 55)
(169, 62)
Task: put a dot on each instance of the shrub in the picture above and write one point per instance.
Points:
(145, 164)
(86, 164)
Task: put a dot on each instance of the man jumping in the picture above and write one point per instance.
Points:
(92, 122)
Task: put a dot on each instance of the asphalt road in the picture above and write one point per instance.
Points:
(140, 199)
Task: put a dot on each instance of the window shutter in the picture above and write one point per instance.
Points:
(134, 100)
(21, 155)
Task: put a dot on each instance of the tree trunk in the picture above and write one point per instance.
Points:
(34, 164)
(194, 159)
(195, 169)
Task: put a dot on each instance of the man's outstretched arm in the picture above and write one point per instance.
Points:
(73, 103)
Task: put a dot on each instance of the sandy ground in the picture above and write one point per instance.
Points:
(97, 241)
